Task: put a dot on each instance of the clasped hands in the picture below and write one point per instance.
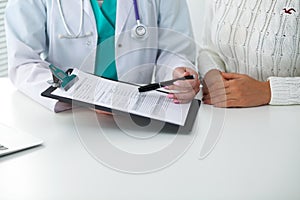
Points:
(234, 90)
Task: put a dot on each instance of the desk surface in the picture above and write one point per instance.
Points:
(256, 157)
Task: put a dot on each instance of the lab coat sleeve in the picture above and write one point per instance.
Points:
(26, 41)
(175, 37)
(208, 57)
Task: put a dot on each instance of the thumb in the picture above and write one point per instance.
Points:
(186, 73)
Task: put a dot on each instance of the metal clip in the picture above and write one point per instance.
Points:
(61, 78)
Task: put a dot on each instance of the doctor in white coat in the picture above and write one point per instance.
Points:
(64, 33)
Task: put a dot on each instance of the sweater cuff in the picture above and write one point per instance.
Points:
(285, 91)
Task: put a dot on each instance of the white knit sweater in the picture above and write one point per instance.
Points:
(260, 38)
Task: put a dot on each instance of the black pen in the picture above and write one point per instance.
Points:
(155, 86)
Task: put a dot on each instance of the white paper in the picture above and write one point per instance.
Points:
(125, 97)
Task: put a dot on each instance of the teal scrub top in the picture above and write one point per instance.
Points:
(105, 20)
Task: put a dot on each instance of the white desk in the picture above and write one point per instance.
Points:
(257, 157)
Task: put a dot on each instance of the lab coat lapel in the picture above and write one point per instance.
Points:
(89, 63)
(87, 7)
(123, 10)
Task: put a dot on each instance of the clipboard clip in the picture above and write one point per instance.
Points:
(61, 79)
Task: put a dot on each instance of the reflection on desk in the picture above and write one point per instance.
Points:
(256, 157)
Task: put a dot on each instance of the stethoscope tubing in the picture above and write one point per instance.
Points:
(136, 11)
(72, 35)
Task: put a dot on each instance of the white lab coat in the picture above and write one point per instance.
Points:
(33, 26)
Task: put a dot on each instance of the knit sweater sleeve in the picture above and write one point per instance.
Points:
(208, 57)
(285, 90)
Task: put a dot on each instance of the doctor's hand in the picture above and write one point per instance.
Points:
(186, 89)
(234, 90)
(101, 112)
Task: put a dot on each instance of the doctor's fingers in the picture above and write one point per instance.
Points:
(184, 71)
(101, 112)
(182, 97)
(185, 85)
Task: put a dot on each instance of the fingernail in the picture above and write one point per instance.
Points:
(176, 83)
(166, 87)
(176, 101)
(170, 96)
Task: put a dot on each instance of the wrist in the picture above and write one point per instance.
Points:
(267, 92)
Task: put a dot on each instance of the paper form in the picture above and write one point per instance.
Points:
(125, 97)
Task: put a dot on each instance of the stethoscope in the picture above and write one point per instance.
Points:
(70, 34)
(139, 31)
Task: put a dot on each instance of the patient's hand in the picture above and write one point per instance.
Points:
(234, 90)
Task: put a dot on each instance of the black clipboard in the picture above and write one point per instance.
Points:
(139, 120)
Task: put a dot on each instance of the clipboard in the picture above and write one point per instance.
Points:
(138, 119)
